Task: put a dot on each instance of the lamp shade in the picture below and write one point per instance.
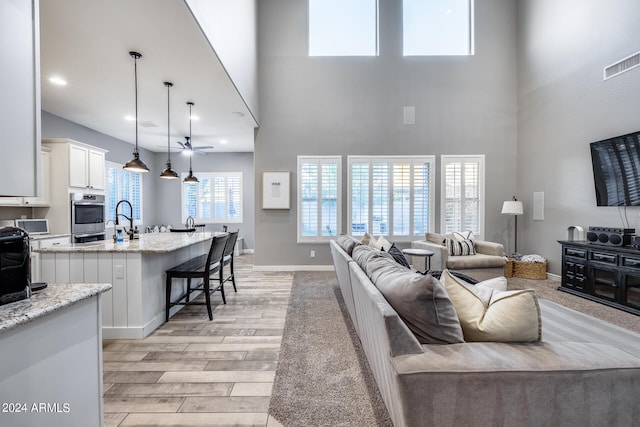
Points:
(512, 207)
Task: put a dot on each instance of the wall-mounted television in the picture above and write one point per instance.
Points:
(616, 170)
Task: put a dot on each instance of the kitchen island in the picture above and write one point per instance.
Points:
(51, 358)
(135, 306)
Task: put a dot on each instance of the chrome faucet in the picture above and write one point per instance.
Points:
(130, 218)
(190, 223)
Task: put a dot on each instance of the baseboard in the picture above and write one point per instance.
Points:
(553, 276)
(293, 267)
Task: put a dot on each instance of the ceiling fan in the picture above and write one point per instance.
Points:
(188, 149)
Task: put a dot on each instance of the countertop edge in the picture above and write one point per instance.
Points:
(42, 303)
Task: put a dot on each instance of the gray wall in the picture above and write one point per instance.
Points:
(161, 197)
(564, 104)
(354, 105)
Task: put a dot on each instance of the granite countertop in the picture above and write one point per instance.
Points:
(47, 236)
(53, 298)
(149, 242)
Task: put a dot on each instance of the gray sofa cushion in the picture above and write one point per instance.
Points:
(421, 301)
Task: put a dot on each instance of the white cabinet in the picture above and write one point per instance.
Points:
(44, 180)
(86, 167)
(43, 242)
(10, 201)
(44, 177)
(20, 100)
(75, 168)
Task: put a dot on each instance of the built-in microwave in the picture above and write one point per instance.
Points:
(87, 217)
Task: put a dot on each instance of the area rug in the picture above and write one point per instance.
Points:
(322, 377)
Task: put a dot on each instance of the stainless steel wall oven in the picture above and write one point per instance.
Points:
(87, 217)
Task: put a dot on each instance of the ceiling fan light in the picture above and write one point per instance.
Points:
(135, 164)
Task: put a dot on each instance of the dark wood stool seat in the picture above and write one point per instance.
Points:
(200, 267)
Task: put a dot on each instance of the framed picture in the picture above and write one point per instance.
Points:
(275, 190)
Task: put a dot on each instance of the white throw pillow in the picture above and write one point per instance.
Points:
(497, 283)
(486, 314)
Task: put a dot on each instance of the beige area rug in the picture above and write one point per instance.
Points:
(323, 378)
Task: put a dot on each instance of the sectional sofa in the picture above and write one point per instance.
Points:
(582, 372)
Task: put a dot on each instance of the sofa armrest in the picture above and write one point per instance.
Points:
(438, 260)
(489, 248)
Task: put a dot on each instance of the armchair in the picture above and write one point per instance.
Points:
(488, 261)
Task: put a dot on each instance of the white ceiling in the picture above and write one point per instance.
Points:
(88, 42)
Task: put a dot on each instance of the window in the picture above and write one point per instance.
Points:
(343, 27)
(437, 27)
(391, 196)
(319, 198)
(216, 198)
(123, 185)
(463, 194)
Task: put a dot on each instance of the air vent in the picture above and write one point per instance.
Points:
(148, 124)
(621, 66)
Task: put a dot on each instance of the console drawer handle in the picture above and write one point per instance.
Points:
(632, 262)
(608, 258)
(575, 253)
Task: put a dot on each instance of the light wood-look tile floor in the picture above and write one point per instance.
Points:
(196, 372)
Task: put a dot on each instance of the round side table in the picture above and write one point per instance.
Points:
(425, 253)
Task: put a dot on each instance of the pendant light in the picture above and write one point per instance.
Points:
(135, 164)
(191, 178)
(168, 172)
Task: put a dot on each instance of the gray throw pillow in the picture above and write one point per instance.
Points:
(398, 256)
(420, 301)
(347, 243)
(363, 253)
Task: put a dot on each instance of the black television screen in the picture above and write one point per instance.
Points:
(616, 170)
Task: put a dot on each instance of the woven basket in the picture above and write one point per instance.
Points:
(508, 268)
(530, 270)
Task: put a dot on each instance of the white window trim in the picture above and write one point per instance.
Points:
(337, 160)
(411, 160)
(137, 222)
(480, 158)
(212, 175)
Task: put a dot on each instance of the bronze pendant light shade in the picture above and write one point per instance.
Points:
(135, 164)
(191, 178)
(168, 172)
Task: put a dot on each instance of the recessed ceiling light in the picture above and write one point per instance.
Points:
(194, 117)
(130, 118)
(223, 141)
(238, 113)
(57, 80)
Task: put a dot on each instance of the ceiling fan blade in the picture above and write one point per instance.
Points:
(204, 147)
(181, 144)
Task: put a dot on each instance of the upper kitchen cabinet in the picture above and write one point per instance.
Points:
(76, 166)
(87, 169)
(20, 100)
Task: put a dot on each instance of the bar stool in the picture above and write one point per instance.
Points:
(201, 267)
(227, 259)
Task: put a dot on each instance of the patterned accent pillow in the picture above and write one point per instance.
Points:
(460, 247)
